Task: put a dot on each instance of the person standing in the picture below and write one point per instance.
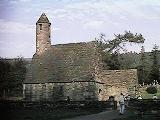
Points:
(121, 104)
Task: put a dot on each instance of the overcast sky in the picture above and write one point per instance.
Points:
(75, 21)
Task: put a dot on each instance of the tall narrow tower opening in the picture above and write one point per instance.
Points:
(43, 34)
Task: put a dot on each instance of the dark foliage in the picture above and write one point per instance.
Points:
(143, 68)
(113, 62)
(119, 41)
(154, 73)
(110, 49)
(12, 74)
(151, 90)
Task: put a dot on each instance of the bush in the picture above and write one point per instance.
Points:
(151, 90)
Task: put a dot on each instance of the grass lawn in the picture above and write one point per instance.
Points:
(145, 95)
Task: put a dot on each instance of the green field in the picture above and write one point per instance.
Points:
(145, 95)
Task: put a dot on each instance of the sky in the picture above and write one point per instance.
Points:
(76, 21)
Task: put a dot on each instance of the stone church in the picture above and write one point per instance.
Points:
(73, 70)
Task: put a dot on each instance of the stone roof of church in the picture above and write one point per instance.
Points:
(43, 19)
(65, 63)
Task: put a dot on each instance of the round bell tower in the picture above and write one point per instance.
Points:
(43, 34)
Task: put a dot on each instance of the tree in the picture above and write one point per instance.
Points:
(143, 68)
(110, 48)
(5, 69)
(154, 73)
(119, 41)
(151, 90)
(12, 74)
(113, 61)
(17, 74)
(127, 60)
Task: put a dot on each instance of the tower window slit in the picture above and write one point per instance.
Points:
(40, 25)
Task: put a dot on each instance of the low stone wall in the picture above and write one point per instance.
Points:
(60, 91)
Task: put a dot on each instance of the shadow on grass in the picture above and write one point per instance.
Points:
(46, 110)
(42, 114)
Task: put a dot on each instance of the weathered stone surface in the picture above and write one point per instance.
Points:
(118, 81)
(65, 63)
(73, 70)
(112, 83)
(43, 35)
(60, 91)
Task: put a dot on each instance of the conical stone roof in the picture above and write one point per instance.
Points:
(43, 19)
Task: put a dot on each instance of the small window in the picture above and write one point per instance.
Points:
(40, 25)
(99, 90)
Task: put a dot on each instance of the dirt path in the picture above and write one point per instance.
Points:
(107, 115)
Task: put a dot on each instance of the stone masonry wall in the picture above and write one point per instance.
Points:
(113, 82)
(43, 42)
(60, 91)
(117, 81)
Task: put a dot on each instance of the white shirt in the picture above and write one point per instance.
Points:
(121, 100)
